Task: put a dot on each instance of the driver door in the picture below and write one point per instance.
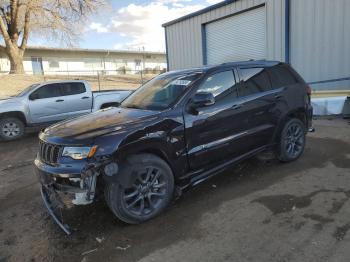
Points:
(214, 133)
(46, 104)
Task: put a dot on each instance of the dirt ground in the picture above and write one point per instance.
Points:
(258, 211)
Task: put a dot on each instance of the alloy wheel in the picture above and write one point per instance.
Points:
(294, 140)
(11, 129)
(147, 192)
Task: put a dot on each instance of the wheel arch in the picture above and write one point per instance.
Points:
(156, 147)
(15, 114)
(299, 113)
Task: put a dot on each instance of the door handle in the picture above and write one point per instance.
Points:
(238, 106)
(278, 96)
(59, 100)
(85, 97)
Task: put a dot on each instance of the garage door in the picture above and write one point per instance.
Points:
(239, 37)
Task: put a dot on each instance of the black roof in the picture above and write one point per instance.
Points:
(204, 69)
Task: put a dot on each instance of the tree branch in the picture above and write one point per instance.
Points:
(4, 14)
(4, 32)
(2, 48)
(25, 29)
(13, 13)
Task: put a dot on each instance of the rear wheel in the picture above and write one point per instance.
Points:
(150, 191)
(292, 140)
(11, 128)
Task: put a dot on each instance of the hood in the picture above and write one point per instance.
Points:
(83, 129)
(8, 99)
(10, 103)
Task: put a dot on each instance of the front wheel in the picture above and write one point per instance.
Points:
(292, 140)
(11, 128)
(149, 191)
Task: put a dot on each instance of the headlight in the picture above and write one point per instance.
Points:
(79, 152)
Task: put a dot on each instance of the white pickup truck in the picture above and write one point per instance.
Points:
(49, 102)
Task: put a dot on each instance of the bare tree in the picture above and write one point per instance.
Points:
(61, 20)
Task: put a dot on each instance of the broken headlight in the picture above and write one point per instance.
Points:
(79, 153)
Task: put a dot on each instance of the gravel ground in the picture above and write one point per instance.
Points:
(257, 211)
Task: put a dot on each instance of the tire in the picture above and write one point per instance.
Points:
(11, 128)
(151, 189)
(292, 140)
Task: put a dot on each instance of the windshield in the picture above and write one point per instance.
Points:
(27, 90)
(160, 92)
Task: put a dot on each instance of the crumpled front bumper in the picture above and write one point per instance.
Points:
(53, 207)
(62, 191)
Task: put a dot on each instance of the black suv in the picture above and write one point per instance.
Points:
(177, 130)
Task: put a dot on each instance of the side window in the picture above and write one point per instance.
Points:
(73, 88)
(220, 85)
(254, 80)
(46, 91)
(281, 76)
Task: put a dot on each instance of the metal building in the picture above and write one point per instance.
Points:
(312, 35)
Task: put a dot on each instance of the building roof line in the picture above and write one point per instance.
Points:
(199, 12)
(58, 49)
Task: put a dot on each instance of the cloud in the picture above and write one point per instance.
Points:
(212, 2)
(141, 25)
(98, 28)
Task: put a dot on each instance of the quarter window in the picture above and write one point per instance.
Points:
(281, 76)
(219, 84)
(255, 80)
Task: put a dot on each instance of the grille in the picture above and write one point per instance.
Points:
(49, 153)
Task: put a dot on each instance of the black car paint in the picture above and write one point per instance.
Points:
(196, 143)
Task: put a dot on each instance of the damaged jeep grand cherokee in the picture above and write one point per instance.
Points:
(175, 131)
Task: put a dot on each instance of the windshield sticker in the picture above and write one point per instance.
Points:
(180, 82)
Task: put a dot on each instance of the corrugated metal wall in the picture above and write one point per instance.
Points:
(184, 38)
(320, 41)
(245, 33)
(319, 37)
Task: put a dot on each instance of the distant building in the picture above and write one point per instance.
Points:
(42, 60)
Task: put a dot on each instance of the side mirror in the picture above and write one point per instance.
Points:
(202, 99)
(34, 96)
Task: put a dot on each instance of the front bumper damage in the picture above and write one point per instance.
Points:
(62, 191)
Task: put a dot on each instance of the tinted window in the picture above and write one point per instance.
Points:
(219, 85)
(255, 80)
(72, 88)
(281, 76)
(47, 91)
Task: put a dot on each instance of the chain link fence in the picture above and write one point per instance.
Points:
(12, 84)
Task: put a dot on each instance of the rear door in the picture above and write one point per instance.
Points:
(77, 98)
(214, 133)
(258, 101)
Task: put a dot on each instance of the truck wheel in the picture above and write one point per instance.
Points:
(292, 140)
(11, 128)
(151, 189)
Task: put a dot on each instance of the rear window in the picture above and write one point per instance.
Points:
(255, 80)
(281, 76)
(73, 88)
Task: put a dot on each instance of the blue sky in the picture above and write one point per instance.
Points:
(132, 25)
